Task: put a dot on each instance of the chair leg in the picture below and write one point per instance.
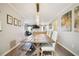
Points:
(53, 53)
(41, 53)
(34, 53)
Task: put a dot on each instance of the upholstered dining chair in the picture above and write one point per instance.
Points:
(50, 47)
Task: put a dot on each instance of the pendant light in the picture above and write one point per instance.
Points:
(37, 13)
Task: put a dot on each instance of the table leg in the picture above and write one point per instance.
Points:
(37, 47)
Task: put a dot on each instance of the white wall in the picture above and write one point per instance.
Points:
(9, 32)
(70, 40)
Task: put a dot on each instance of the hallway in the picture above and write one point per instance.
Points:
(39, 29)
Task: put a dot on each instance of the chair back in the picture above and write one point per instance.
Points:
(54, 36)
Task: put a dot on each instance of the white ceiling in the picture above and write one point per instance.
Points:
(47, 11)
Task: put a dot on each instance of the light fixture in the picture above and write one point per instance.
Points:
(37, 7)
(37, 13)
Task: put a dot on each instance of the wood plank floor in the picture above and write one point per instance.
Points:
(60, 51)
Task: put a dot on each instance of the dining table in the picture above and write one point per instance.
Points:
(39, 38)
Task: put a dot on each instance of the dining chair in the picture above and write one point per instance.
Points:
(51, 46)
(25, 46)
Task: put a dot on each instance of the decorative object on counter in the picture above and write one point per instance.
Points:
(66, 21)
(9, 19)
(27, 33)
(76, 20)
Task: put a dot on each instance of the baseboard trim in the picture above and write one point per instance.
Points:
(5, 53)
(67, 49)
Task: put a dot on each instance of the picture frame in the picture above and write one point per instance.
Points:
(66, 22)
(9, 19)
(15, 22)
(19, 22)
(50, 26)
(76, 19)
(0, 26)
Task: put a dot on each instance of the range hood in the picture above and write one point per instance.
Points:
(36, 26)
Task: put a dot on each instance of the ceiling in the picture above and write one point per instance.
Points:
(47, 11)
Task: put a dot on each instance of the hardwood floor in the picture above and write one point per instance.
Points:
(60, 51)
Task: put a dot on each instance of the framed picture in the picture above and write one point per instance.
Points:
(15, 22)
(50, 26)
(0, 26)
(19, 22)
(76, 20)
(66, 21)
(9, 19)
(55, 25)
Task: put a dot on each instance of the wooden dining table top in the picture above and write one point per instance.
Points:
(40, 37)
